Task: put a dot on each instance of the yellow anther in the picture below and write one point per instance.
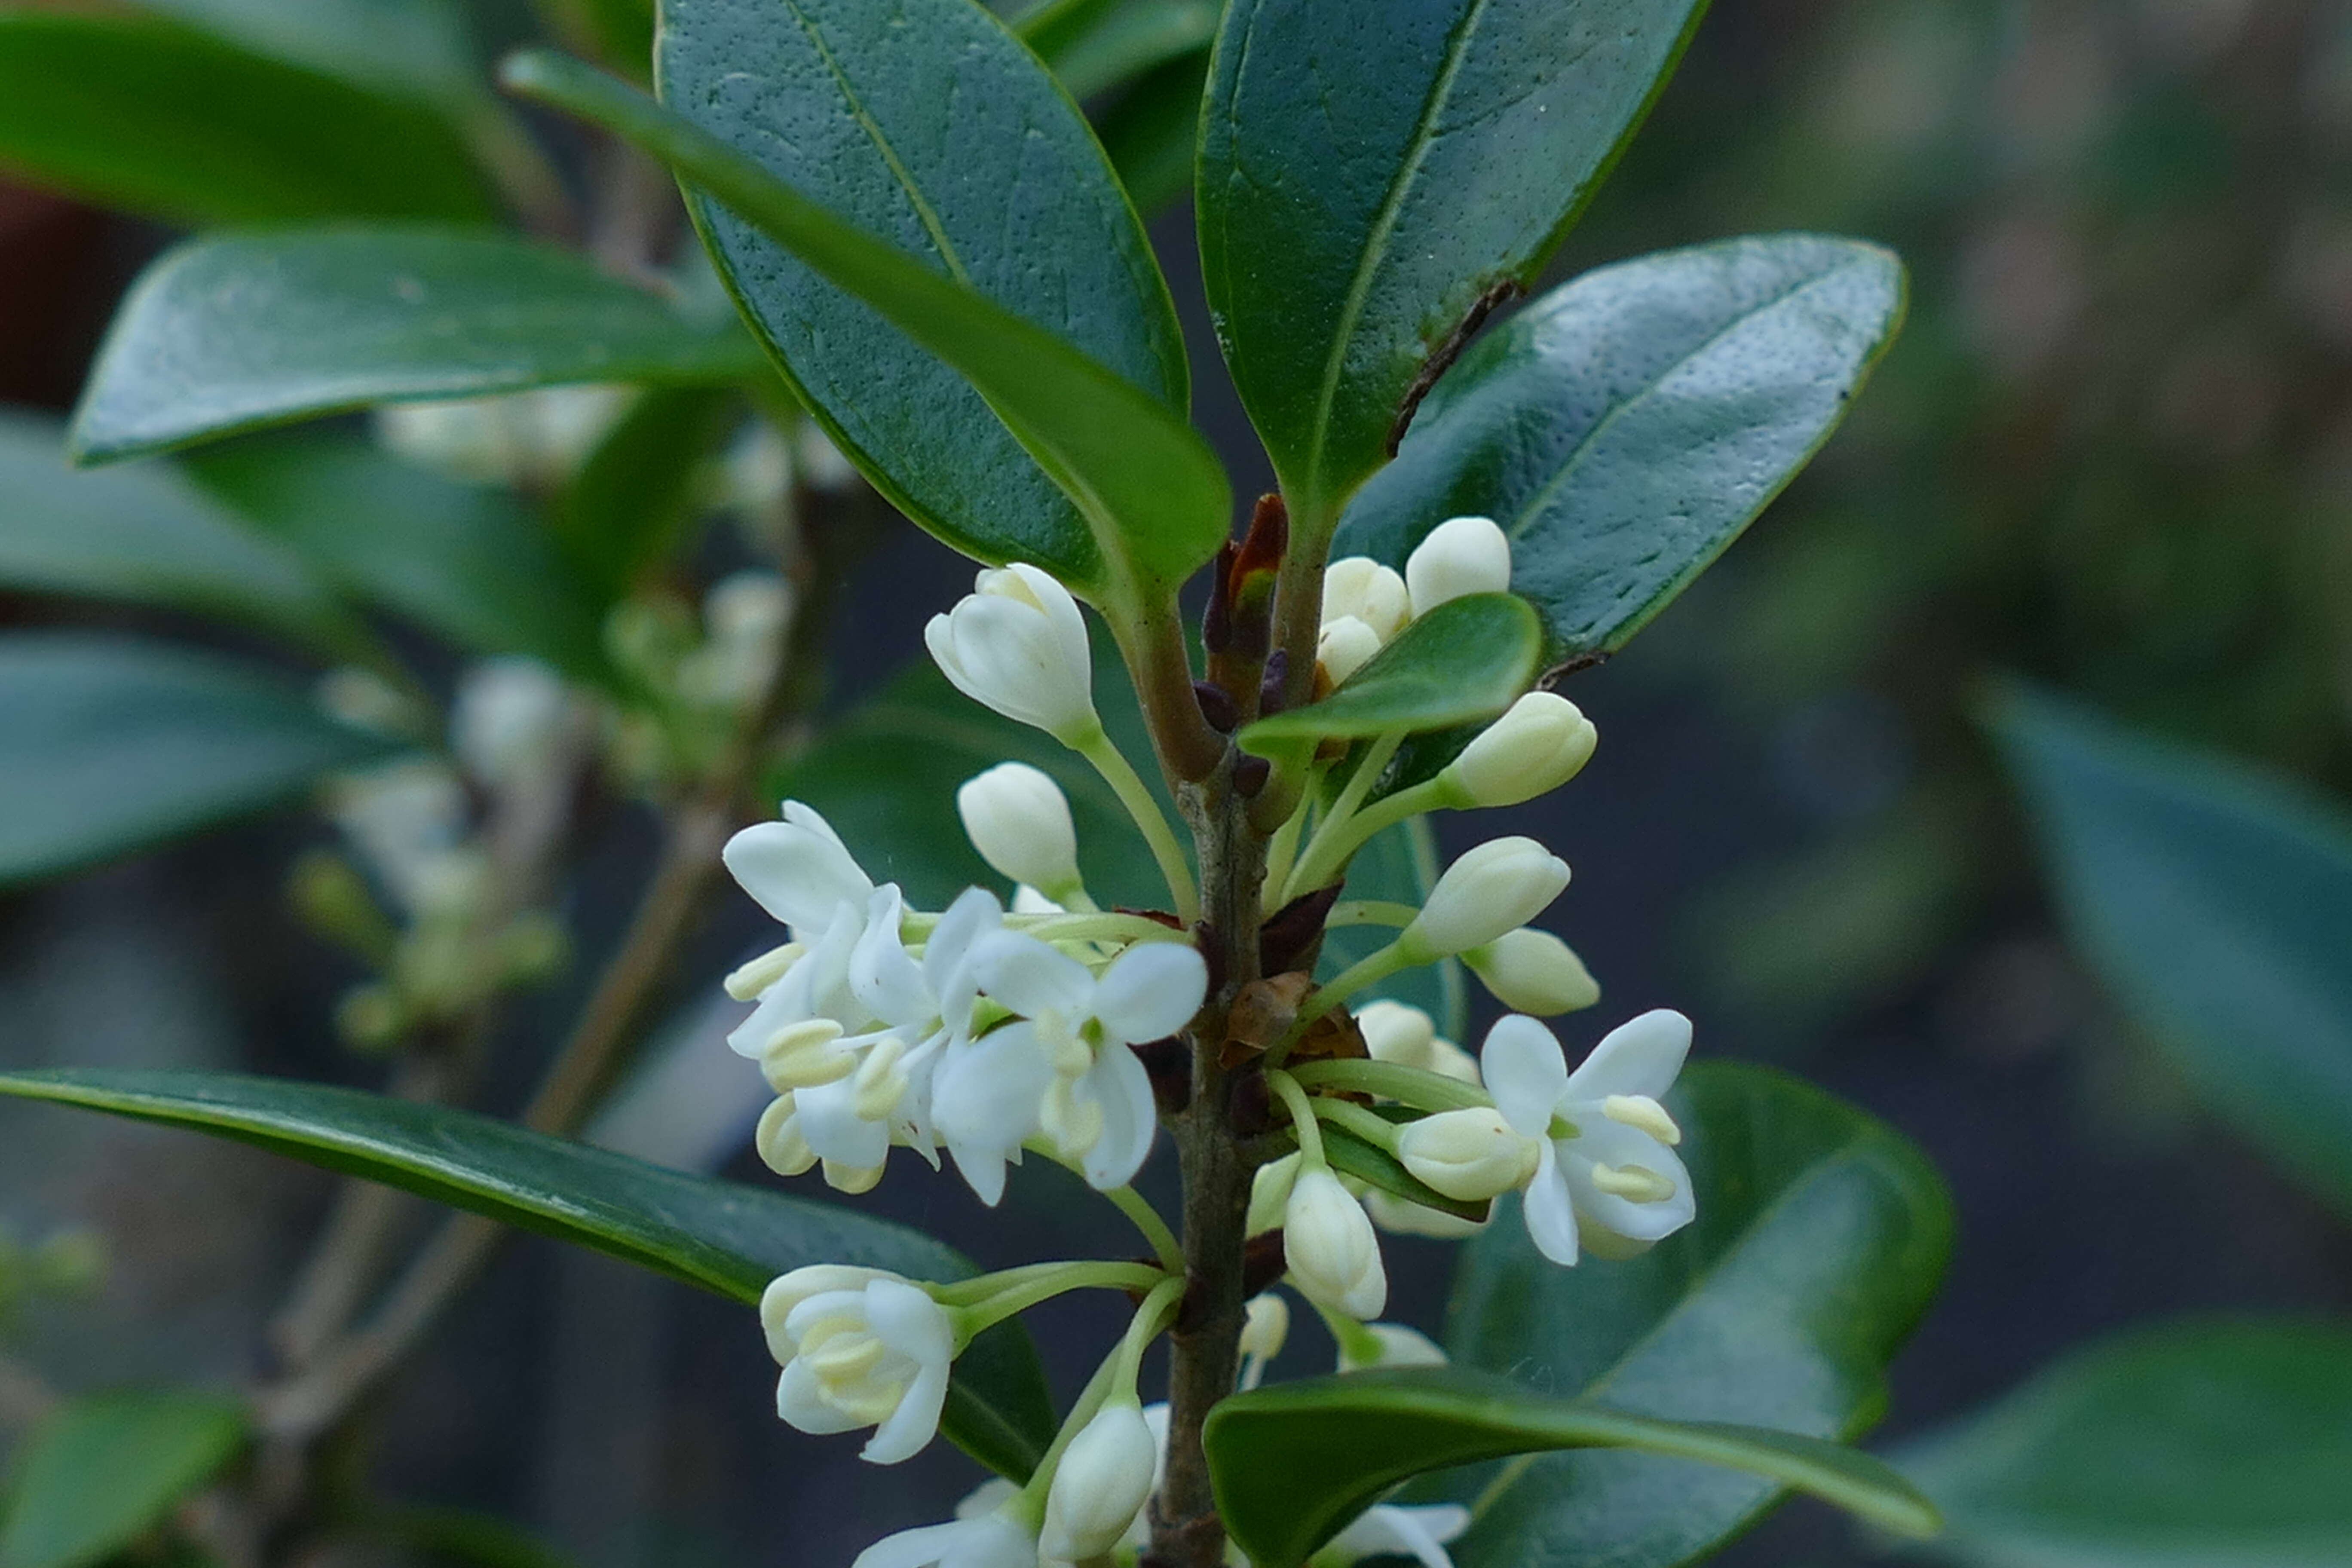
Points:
(842, 1357)
(802, 1056)
(1643, 1114)
(763, 971)
(851, 1179)
(1635, 1183)
(881, 1081)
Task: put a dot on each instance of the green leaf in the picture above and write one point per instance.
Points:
(1370, 173)
(940, 259)
(886, 778)
(146, 536)
(467, 560)
(2216, 901)
(163, 121)
(720, 1235)
(1094, 46)
(1821, 1236)
(1293, 1464)
(1466, 660)
(99, 1471)
(2192, 1444)
(231, 332)
(1627, 426)
(416, 48)
(622, 513)
(1368, 1161)
(110, 744)
(1152, 131)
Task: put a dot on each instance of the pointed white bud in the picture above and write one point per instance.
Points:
(1460, 555)
(1332, 1251)
(1360, 586)
(1265, 1325)
(1102, 1482)
(1543, 741)
(1470, 1156)
(1018, 644)
(1394, 1032)
(1532, 971)
(1019, 820)
(1346, 646)
(1493, 889)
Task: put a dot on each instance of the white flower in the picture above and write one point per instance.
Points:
(1096, 1100)
(1495, 887)
(1103, 1480)
(508, 716)
(1345, 646)
(1469, 1155)
(1019, 820)
(1018, 644)
(1543, 741)
(1605, 1168)
(1395, 1032)
(798, 869)
(1460, 555)
(1359, 587)
(1532, 971)
(859, 1348)
(1394, 1344)
(999, 1538)
(1330, 1248)
(407, 821)
(745, 617)
(1392, 1529)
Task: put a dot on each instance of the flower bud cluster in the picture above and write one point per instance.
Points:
(1365, 604)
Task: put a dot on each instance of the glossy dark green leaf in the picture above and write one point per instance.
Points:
(1399, 865)
(886, 777)
(99, 1471)
(2213, 1444)
(720, 1235)
(110, 744)
(1295, 1463)
(1467, 659)
(624, 511)
(1370, 172)
(929, 160)
(1821, 1236)
(230, 332)
(1367, 1162)
(1627, 426)
(2216, 901)
(466, 561)
(1152, 131)
(146, 536)
(164, 120)
(1095, 44)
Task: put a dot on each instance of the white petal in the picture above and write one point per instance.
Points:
(1030, 977)
(1062, 613)
(1384, 1530)
(911, 1428)
(913, 1548)
(983, 1171)
(1613, 1143)
(1131, 1115)
(1525, 1072)
(1150, 991)
(1549, 1212)
(801, 1406)
(881, 975)
(991, 1542)
(829, 1120)
(1640, 1057)
(1011, 661)
(903, 1317)
(946, 956)
(796, 868)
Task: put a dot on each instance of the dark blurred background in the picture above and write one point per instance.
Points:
(2111, 451)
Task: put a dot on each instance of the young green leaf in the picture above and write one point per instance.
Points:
(2214, 1444)
(916, 219)
(230, 332)
(1467, 659)
(1293, 1463)
(99, 1471)
(1821, 1236)
(2216, 901)
(146, 536)
(112, 745)
(720, 1235)
(467, 560)
(163, 121)
(1626, 427)
(1373, 174)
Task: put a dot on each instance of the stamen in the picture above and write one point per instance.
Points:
(1635, 1183)
(762, 971)
(1643, 1114)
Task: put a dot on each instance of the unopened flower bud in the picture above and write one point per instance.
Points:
(1270, 1193)
(1360, 586)
(1389, 1345)
(1532, 971)
(1019, 820)
(1460, 555)
(1538, 745)
(1469, 1155)
(1103, 1481)
(1333, 1253)
(1495, 887)
(1018, 644)
(1394, 1032)
(1265, 1325)
(1346, 646)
